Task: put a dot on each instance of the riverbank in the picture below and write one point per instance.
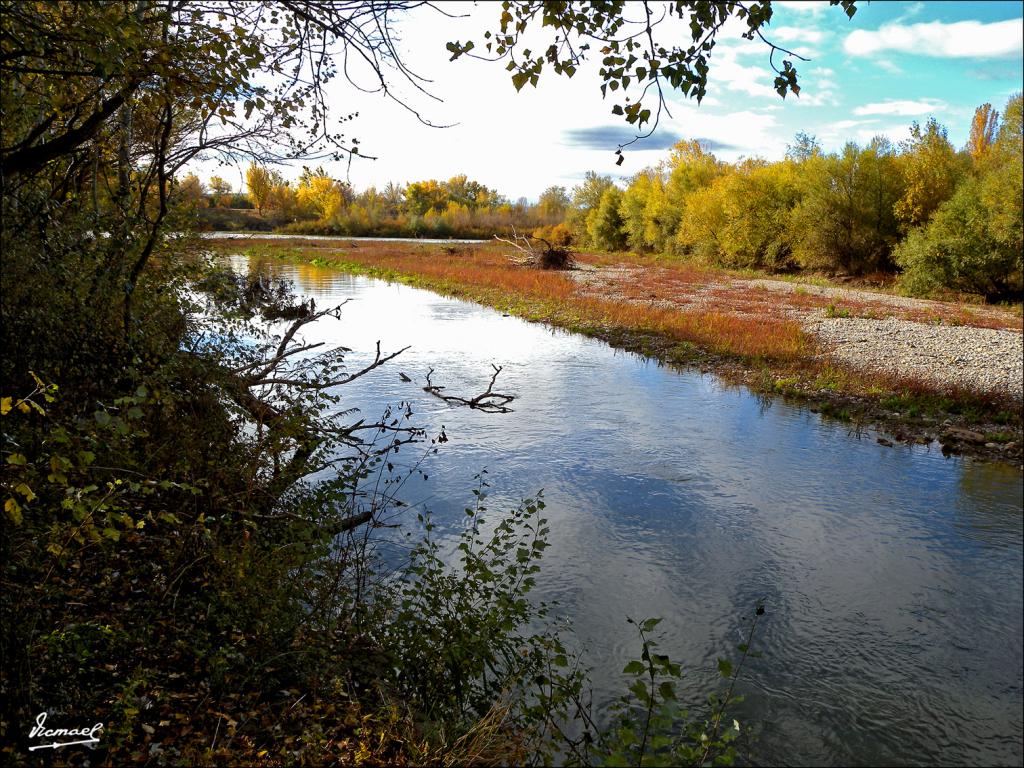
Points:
(827, 346)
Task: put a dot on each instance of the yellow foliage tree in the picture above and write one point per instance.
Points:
(191, 191)
(931, 169)
(260, 184)
(983, 131)
(283, 198)
(321, 195)
(219, 187)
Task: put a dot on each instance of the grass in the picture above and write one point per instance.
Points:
(737, 329)
(486, 276)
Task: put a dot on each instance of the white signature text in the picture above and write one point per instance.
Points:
(83, 735)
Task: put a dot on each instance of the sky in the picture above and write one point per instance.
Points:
(893, 63)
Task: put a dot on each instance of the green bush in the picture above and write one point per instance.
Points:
(845, 220)
(604, 223)
(972, 243)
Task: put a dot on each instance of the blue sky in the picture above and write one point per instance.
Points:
(893, 63)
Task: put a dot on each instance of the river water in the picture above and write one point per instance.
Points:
(892, 577)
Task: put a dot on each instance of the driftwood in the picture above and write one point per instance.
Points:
(488, 400)
(551, 257)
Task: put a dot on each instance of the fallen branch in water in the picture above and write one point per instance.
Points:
(488, 400)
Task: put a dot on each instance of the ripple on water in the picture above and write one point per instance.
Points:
(892, 578)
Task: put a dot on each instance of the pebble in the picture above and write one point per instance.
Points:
(984, 360)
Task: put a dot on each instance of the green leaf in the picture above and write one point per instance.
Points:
(634, 668)
(25, 491)
(650, 624)
(639, 689)
(725, 667)
(13, 510)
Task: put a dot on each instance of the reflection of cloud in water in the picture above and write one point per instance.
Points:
(893, 576)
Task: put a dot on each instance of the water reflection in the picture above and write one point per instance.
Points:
(893, 577)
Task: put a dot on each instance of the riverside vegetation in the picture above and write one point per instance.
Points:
(720, 321)
(921, 218)
(170, 567)
(941, 221)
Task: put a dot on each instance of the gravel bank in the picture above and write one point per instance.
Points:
(885, 332)
(980, 359)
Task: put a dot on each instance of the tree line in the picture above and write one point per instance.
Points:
(319, 204)
(942, 217)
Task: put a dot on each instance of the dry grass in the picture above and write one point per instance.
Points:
(479, 272)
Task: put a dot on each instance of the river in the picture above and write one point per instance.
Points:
(892, 577)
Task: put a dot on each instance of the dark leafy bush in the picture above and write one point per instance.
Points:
(972, 243)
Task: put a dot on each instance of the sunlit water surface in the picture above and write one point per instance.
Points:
(892, 577)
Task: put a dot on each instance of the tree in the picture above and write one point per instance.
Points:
(963, 247)
(604, 223)
(393, 196)
(553, 203)
(690, 167)
(424, 196)
(931, 169)
(1011, 130)
(219, 187)
(974, 240)
(804, 147)
(586, 197)
(323, 196)
(702, 222)
(758, 200)
(633, 209)
(259, 183)
(191, 191)
(845, 221)
(983, 131)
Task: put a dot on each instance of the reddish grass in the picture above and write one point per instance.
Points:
(557, 297)
(745, 322)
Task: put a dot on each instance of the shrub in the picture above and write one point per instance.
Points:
(972, 243)
(845, 221)
(605, 225)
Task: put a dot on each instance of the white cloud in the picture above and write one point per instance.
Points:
(796, 35)
(960, 39)
(889, 66)
(910, 11)
(804, 7)
(845, 125)
(747, 132)
(818, 93)
(818, 87)
(902, 107)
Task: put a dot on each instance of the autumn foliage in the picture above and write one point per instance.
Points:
(945, 219)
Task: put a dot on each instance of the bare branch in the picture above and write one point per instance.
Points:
(488, 401)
